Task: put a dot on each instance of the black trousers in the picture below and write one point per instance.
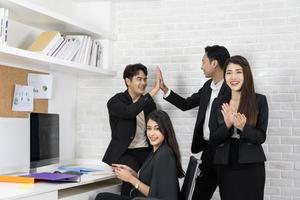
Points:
(206, 182)
(110, 196)
(133, 158)
(242, 182)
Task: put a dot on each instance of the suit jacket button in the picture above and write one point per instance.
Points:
(131, 137)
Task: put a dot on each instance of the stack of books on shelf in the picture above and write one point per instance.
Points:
(4, 25)
(78, 48)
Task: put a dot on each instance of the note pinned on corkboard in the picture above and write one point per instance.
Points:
(9, 76)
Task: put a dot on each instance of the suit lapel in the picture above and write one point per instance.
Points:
(224, 90)
(128, 97)
(206, 97)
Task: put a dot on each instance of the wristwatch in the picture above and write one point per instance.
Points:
(137, 185)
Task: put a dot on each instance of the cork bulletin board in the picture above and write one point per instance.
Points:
(9, 76)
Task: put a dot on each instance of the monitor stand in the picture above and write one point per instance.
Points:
(32, 170)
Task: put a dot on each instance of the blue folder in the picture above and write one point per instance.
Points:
(83, 170)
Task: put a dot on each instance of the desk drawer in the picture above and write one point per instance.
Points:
(45, 196)
(86, 192)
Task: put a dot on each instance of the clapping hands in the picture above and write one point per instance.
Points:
(239, 121)
(233, 118)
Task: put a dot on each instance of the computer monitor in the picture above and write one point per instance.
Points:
(44, 139)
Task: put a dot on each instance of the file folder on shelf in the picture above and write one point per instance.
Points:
(55, 177)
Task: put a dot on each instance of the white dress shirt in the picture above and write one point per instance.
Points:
(215, 89)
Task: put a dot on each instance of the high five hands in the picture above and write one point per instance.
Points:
(156, 86)
(232, 118)
(162, 85)
(159, 83)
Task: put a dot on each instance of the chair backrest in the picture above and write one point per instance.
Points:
(144, 198)
(189, 181)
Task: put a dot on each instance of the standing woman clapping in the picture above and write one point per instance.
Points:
(238, 125)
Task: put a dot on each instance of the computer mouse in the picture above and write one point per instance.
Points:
(57, 172)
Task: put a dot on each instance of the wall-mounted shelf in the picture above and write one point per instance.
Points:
(34, 15)
(15, 57)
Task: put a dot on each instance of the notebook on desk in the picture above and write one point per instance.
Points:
(16, 179)
(55, 177)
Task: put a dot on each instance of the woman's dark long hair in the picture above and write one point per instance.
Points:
(247, 105)
(166, 128)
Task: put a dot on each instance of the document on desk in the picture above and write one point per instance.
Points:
(78, 169)
(55, 177)
(85, 170)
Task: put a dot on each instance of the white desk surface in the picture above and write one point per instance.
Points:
(10, 191)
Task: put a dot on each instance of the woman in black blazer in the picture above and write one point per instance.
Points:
(238, 124)
(158, 176)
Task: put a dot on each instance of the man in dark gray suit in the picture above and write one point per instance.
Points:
(212, 66)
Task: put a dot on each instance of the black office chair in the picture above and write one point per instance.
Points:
(145, 198)
(192, 172)
(188, 186)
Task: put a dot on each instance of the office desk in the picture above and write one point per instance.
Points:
(89, 185)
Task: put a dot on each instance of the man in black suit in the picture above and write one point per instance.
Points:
(212, 66)
(128, 111)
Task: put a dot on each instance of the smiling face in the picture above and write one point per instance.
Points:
(234, 77)
(137, 84)
(154, 135)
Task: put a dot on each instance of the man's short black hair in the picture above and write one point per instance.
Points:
(133, 69)
(218, 53)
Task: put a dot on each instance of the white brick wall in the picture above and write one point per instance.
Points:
(173, 34)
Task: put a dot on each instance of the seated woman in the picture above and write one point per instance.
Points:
(158, 176)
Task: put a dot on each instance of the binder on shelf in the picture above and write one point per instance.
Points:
(63, 50)
(58, 49)
(85, 50)
(80, 53)
(16, 179)
(94, 53)
(72, 48)
(45, 42)
(75, 46)
(5, 28)
(55, 47)
(3, 25)
(2, 13)
(88, 52)
(99, 57)
(55, 177)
